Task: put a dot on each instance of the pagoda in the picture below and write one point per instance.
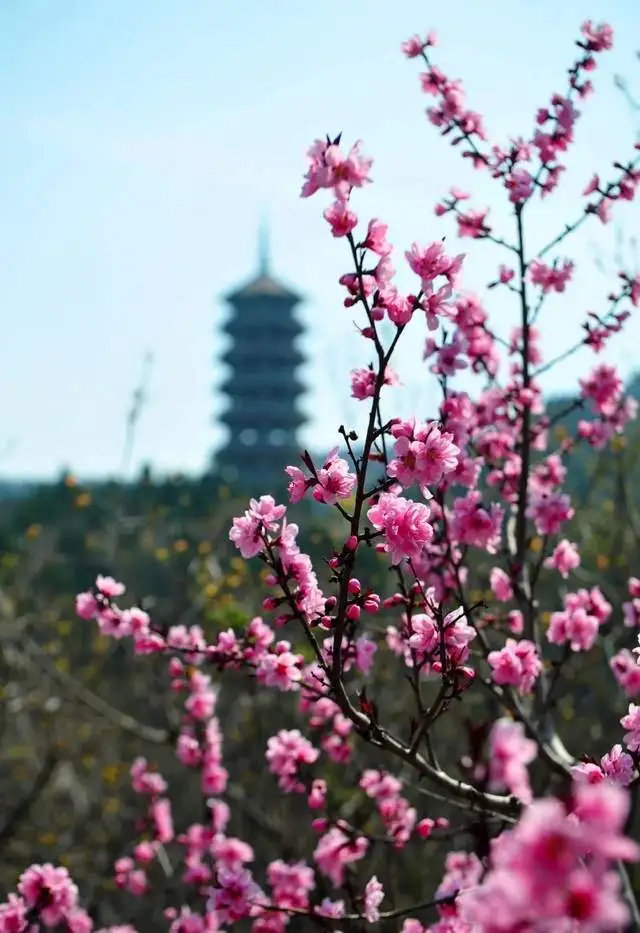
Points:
(262, 388)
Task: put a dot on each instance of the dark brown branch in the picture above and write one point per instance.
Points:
(21, 811)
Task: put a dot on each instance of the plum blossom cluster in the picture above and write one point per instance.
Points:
(626, 670)
(631, 609)
(363, 381)
(617, 767)
(579, 622)
(553, 869)
(488, 488)
(212, 858)
(213, 861)
(515, 164)
(329, 483)
(423, 454)
(510, 753)
(45, 895)
(434, 644)
(604, 390)
(398, 817)
(264, 530)
(517, 664)
(404, 524)
(551, 278)
(565, 558)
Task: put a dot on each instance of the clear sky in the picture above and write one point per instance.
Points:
(142, 141)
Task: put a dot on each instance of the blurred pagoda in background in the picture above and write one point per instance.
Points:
(262, 388)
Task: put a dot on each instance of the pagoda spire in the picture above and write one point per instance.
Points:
(264, 251)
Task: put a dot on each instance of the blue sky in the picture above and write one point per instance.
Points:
(143, 140)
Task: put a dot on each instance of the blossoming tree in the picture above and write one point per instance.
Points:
(481, 477)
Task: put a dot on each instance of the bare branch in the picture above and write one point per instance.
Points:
(21, 812)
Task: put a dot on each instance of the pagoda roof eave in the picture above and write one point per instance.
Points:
(262, 286)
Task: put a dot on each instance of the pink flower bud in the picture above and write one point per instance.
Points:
(425, 828)
(371, 603)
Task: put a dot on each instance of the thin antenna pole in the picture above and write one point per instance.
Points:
(264, 247)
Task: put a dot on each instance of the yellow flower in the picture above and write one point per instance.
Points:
(101, 644)
(568, 711)
(32, 532)
(110, 773)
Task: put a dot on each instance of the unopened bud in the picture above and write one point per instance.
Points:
(371, 603)
(425, 828)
